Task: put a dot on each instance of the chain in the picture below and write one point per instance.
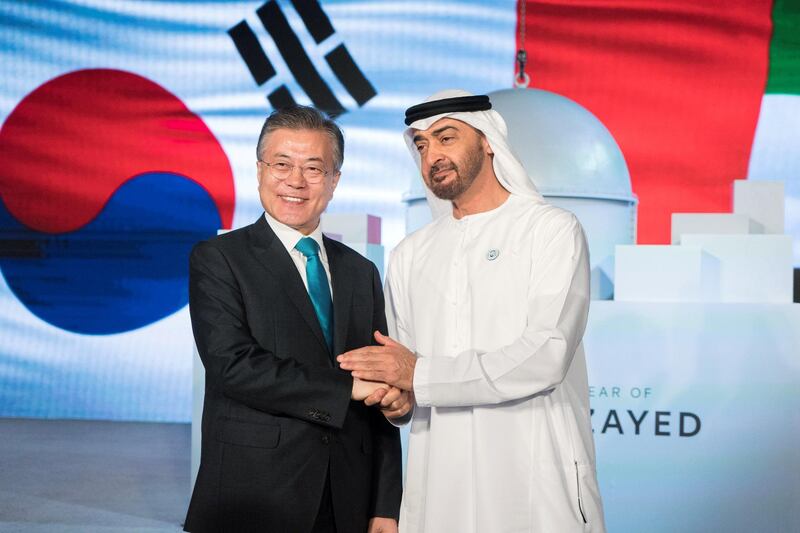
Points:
(521, 79)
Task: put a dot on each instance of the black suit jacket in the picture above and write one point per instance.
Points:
(277, 415)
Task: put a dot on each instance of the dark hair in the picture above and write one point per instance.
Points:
(300, 117)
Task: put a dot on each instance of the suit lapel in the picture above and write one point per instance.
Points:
(342, 284)
(273, 256)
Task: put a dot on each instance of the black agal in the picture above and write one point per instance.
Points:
(447, 105)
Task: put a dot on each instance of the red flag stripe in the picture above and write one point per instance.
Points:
(678, 83)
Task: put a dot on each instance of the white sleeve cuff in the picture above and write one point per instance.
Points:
(422, 373)
(401, 421)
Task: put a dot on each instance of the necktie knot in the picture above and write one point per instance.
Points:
(308, 247)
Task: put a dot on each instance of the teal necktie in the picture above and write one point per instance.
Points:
(318, 287)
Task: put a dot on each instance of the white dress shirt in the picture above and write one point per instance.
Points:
(289, 237)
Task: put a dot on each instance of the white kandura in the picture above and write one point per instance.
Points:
(500, 438)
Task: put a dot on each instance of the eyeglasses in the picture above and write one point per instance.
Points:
(281, 170)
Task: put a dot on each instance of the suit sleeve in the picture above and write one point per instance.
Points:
(387, 468)
(558, 306)
(243, 370)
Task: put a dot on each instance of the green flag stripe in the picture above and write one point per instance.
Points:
(784, 52)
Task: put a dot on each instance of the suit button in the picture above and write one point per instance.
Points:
(326, 439)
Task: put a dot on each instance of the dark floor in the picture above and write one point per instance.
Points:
(87, 476)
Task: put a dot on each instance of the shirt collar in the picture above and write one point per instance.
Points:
(289, 236)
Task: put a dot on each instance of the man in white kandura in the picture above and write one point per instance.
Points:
(491, 299)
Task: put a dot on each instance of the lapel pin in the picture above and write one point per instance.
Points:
(492, 254)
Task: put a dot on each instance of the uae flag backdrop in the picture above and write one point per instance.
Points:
(697, 94)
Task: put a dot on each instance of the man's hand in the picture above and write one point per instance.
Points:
(382, 525)
(394, 402)
(392, 408)
(362, 389)
(390, 363)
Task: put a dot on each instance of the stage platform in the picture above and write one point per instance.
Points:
(76, 476)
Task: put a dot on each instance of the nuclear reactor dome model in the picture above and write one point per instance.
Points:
(574, 162)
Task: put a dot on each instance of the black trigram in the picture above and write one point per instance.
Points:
(320, 28)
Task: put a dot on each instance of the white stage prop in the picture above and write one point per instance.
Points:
(353, 227)
(721, 257)
(753, 268)
(662, 273)
(762, 201)
(696, 415)
(712, 223)
(359, 231)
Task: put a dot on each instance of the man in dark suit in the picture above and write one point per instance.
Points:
(288, 445)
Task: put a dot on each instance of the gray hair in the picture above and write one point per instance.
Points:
(300, 117)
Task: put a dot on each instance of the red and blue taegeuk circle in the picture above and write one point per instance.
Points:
(107, 181)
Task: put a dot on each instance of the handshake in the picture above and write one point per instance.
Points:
(382, 375)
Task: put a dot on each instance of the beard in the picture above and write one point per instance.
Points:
(465, 175)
